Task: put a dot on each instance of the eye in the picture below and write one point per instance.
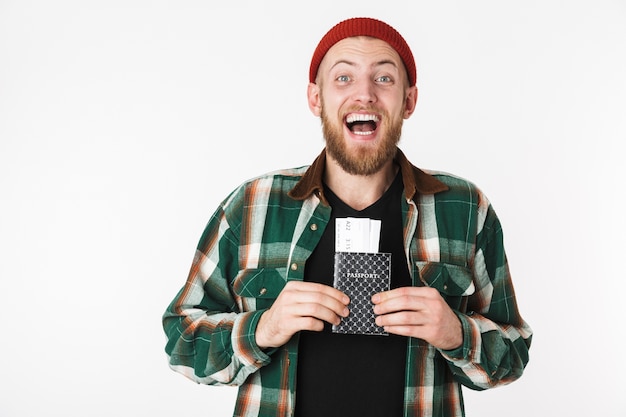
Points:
(384, 79)
(343, 78)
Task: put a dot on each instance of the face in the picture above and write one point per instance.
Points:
(362, 97)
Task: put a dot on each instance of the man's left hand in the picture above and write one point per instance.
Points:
(419, 312)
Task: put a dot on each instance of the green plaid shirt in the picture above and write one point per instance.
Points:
(261, 236)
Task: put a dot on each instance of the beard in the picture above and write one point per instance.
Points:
(362, 160)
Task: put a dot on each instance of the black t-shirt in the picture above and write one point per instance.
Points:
(354, 375)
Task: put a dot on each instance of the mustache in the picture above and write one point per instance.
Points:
(367, 109)
(356, 108)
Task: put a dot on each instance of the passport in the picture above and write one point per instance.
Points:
(361, 275)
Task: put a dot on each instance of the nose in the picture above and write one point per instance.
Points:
(364, 91)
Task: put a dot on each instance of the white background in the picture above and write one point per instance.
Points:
(124, 123)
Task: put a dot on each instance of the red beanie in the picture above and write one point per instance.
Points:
(364, 26)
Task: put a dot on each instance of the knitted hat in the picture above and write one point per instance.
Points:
(364, 26)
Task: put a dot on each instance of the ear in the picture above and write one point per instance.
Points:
(313, 96)
(410, 102)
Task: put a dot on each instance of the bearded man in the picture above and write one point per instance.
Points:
(261, 306)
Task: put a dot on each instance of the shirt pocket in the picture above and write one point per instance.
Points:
(455, 283)
(258, 288)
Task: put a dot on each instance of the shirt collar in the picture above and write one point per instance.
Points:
(415, 180)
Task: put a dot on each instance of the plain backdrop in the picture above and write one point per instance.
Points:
(124, 123)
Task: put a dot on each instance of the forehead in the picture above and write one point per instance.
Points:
(361, 50)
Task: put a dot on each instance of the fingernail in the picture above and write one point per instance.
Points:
(375, 298)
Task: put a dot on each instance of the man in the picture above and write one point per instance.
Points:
(258, 307)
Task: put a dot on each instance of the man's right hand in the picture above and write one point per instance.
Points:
(300, 306)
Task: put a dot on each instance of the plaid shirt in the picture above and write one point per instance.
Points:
(261, 236)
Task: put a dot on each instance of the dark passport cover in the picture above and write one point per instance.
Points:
(360, 275)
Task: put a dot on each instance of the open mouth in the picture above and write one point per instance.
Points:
(362, 124)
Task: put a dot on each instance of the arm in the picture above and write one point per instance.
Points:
(215, 336)
(496, 339)
(486, 346)
(209, 339)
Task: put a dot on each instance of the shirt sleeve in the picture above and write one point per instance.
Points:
(209, 339)
(496, 340)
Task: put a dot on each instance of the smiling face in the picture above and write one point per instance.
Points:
(362, 96)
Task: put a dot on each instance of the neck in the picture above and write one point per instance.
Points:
(359, 191)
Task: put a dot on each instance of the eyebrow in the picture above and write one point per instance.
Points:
(376, 64)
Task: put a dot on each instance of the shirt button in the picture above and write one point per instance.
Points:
(262, 291)
(294, 266)
(445, 287)
(314, 227)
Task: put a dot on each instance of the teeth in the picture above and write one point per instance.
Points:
(354, 117)
(367, 133)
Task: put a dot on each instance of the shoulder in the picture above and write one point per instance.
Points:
(455, 183)
(272, 183)
(281, 174)
(460, 190)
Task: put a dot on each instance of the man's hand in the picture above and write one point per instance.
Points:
(300, 306)
(419, 312)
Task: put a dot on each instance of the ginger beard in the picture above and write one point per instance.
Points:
(365, 159)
